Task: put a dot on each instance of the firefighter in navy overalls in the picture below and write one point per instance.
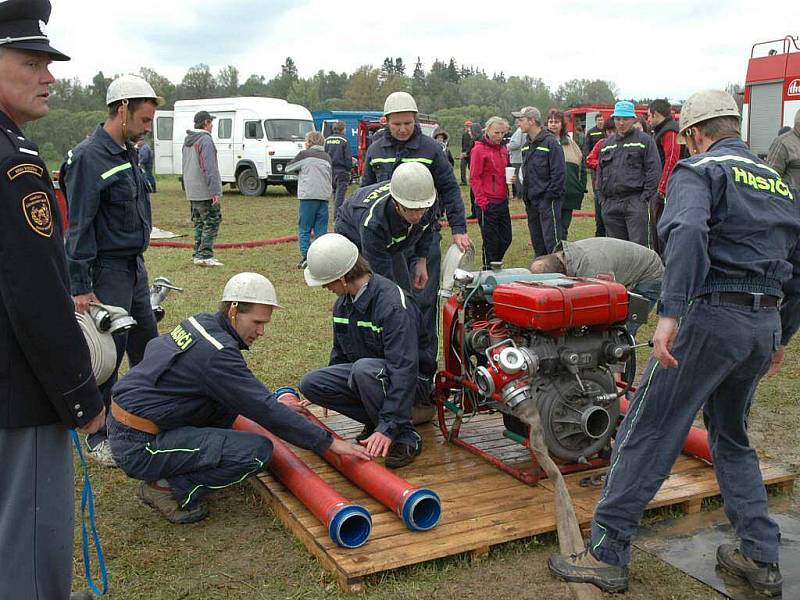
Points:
(110, 223)
(729, 305)
(171, 414)
(381, 361)
(405, 142)
(390, 221)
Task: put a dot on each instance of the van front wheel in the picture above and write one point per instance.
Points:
(249, 184)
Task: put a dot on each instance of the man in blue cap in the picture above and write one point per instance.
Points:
(46, 380)
(627, 178)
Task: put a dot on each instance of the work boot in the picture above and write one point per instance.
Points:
(101, 454)
(585, 568)
(764, 578)
(368, 430)
(422, 412)
(164, 502)
(401, 454)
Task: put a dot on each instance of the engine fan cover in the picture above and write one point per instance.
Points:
(574, 425)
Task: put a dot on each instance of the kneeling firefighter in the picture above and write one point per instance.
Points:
(381, 360)
(171, 414)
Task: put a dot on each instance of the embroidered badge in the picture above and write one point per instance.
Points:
(36, 207)
(24, 169)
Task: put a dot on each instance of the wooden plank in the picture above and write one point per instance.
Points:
(481, 506)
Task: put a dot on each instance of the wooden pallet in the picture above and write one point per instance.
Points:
(481, 506)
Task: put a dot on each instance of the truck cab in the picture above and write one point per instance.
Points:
(255, 139)
(771, 92)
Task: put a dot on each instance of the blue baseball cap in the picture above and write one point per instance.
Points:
(623, 108)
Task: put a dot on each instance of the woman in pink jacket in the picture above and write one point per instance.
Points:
(487, 178)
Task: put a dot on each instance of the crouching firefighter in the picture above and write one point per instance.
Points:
(171, 414)
(381, 360)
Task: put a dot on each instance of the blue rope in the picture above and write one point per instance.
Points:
(87, 499)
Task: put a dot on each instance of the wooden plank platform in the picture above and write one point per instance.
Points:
(481, 506)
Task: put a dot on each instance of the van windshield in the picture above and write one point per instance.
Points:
(287, 130)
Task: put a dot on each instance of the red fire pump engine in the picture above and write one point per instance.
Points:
(512, 338)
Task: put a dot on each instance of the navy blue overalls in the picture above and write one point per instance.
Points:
(380, 361)
(109, 230)
(192, 383)
(731, 230)
(383, 156)
(370, 220)
(543, 180)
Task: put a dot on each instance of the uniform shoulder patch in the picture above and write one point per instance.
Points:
(24, 169)
(36, 207)
(182, 338)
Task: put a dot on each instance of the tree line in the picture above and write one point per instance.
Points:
(449, 91)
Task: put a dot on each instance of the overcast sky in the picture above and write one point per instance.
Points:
(648, 49)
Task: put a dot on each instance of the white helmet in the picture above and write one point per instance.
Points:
(128, 87)
(252, 288)
(412, 186)
(705, 105)
(329, 258)
(399, 102)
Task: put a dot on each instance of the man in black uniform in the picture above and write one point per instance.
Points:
(543, 173)
(380, 361)
(171, 414)
(338, 147)
(405, 142)
(390, 221)
(110, 223)
(594, 135)
(627, 178)
(46, 380)
(725, 294)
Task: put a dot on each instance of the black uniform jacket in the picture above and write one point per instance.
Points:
(45, 369)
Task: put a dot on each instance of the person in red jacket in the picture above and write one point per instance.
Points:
(665, 132)
(487, 178)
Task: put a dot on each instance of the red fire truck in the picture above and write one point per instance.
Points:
(771, 92)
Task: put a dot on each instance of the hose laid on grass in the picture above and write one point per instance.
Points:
(287, 239)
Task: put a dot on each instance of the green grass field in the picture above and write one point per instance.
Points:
(242, 550)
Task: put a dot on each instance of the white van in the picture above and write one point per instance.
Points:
(255, 138)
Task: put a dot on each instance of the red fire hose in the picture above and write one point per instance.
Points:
(696, 442)
(419, 508)
(349, 525)
(293, 238)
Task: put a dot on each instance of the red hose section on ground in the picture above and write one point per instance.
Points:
(696, 443)
(378, 481)
(286, 239)
(319, 497)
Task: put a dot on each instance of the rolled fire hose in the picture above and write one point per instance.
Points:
(99, 324)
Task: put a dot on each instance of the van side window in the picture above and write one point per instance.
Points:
(224, 128)
(164, 128)
(253, 130)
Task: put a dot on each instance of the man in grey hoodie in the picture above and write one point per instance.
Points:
(203, 186)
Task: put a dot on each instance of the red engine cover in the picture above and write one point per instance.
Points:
(561, 304)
